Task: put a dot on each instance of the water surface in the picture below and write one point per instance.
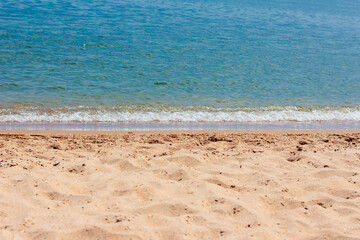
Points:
(178, 60)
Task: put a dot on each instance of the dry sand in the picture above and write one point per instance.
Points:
(180, 186)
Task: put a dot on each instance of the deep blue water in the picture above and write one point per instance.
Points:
(176, 54)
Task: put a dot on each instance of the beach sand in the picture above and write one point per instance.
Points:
(180, 185)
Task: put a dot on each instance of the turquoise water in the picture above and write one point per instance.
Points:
(199, 60)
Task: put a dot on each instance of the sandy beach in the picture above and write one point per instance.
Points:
(180, 185)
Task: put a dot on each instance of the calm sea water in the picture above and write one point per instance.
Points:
(179, 60)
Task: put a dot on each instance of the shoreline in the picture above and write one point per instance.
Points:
(179, 126)
(166, 132)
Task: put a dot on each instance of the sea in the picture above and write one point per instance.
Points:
(179, 64)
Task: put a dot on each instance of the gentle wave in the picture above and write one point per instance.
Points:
(268, 114)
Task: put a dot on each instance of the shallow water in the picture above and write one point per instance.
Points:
(202, 60)
(180, 126)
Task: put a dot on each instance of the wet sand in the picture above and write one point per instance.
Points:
(180, 185)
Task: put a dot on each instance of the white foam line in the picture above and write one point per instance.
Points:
(185, 116)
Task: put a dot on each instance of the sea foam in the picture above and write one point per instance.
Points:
(271, 114)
